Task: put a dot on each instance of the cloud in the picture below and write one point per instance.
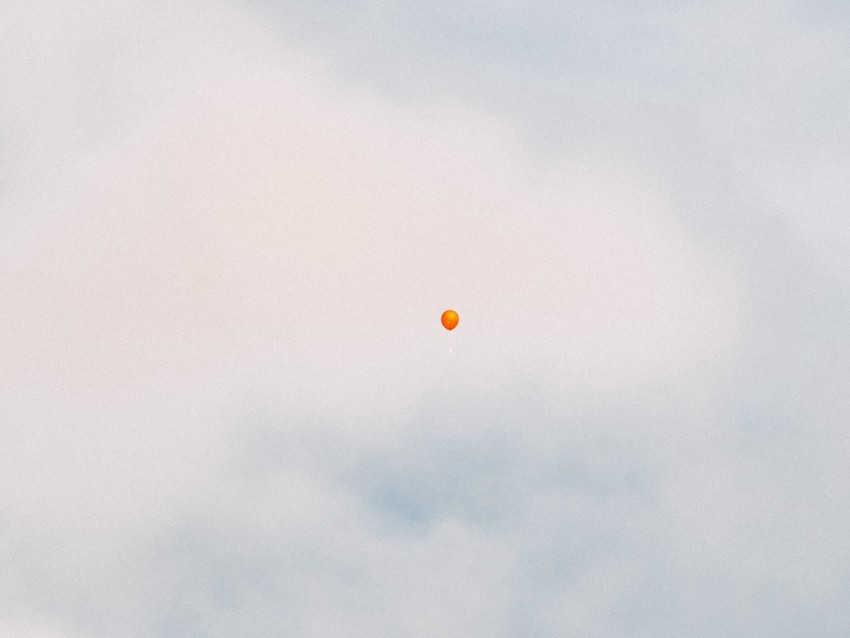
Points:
(234, 412)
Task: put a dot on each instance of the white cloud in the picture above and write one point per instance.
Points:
(26, 630)
(212, 238)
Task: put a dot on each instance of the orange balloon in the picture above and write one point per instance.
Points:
(449, 319)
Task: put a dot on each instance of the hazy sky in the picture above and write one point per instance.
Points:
(228, 230)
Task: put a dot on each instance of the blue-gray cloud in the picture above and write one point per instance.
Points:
(226, 237)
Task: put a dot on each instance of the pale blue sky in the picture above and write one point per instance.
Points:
(228, 230)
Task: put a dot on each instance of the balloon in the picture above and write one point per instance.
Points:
(449, 319)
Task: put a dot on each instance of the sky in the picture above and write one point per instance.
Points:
(228, 230)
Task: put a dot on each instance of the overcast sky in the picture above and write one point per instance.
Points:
(228, 230)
